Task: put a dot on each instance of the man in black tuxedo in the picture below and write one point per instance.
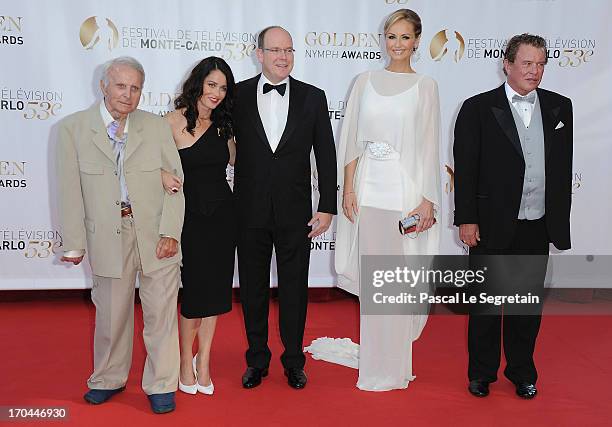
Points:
(278, 121)
(513, 173)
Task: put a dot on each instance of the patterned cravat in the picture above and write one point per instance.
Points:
(119, 150)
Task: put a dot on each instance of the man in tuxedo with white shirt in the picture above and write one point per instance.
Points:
(278, 120)
(513, 175)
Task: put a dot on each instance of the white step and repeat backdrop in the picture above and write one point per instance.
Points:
(51, 54)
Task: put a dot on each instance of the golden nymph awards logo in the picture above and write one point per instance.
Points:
(98, 31)
(12, 174)
(346, 46)
(447, 42)
(160, 103)
(10, 29)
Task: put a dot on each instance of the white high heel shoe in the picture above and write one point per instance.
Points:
(205, 389)
(189, 389)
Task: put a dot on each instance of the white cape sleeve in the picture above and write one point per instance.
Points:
(349, 149)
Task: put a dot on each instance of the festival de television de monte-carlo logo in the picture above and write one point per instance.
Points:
(447, 45)
(98, 33)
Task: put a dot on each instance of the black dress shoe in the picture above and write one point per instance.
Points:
(296, 377)
(526, 390)
(252, 376)
(479, 388)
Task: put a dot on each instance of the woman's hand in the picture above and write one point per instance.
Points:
(349, 205)
(172, 183)
(425, 211)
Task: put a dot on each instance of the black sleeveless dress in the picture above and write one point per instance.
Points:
(209, 233)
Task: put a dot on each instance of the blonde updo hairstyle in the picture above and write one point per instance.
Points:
(407, 15)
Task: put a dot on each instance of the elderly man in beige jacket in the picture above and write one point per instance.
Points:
(114, 206)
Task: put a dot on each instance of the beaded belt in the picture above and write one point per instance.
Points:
(381, 151)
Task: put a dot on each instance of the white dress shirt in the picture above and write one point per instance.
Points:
(273, 109)
(523, 108)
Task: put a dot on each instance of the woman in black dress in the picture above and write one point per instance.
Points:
(202, 130)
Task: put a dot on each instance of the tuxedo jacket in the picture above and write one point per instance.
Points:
(90, 194)
(489, 166)
(274, 188)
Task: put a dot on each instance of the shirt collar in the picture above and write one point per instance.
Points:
(107, 118)
(263, 80)
(511, 92)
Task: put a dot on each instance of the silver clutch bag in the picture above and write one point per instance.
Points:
(409, 224)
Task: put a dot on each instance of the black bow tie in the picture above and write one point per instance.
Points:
(279, 88)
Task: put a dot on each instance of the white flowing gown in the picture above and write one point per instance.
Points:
(391, 125)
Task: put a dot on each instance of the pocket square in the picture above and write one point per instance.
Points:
(559, 125)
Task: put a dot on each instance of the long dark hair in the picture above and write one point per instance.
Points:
(221, 116)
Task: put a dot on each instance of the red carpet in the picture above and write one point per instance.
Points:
(47, 351)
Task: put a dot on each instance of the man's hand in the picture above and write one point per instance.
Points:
(322, 220)
(167, 247)
(469, 234)
(74, 260)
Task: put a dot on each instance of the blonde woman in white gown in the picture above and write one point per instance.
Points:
(388, 169)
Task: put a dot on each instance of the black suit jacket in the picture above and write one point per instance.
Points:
(276, 185)
(489, 167)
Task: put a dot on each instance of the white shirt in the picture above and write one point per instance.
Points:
(523, 108)
(273, 109)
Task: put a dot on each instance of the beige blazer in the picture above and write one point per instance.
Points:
(89, 191)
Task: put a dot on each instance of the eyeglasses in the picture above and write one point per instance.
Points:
(277, 50)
